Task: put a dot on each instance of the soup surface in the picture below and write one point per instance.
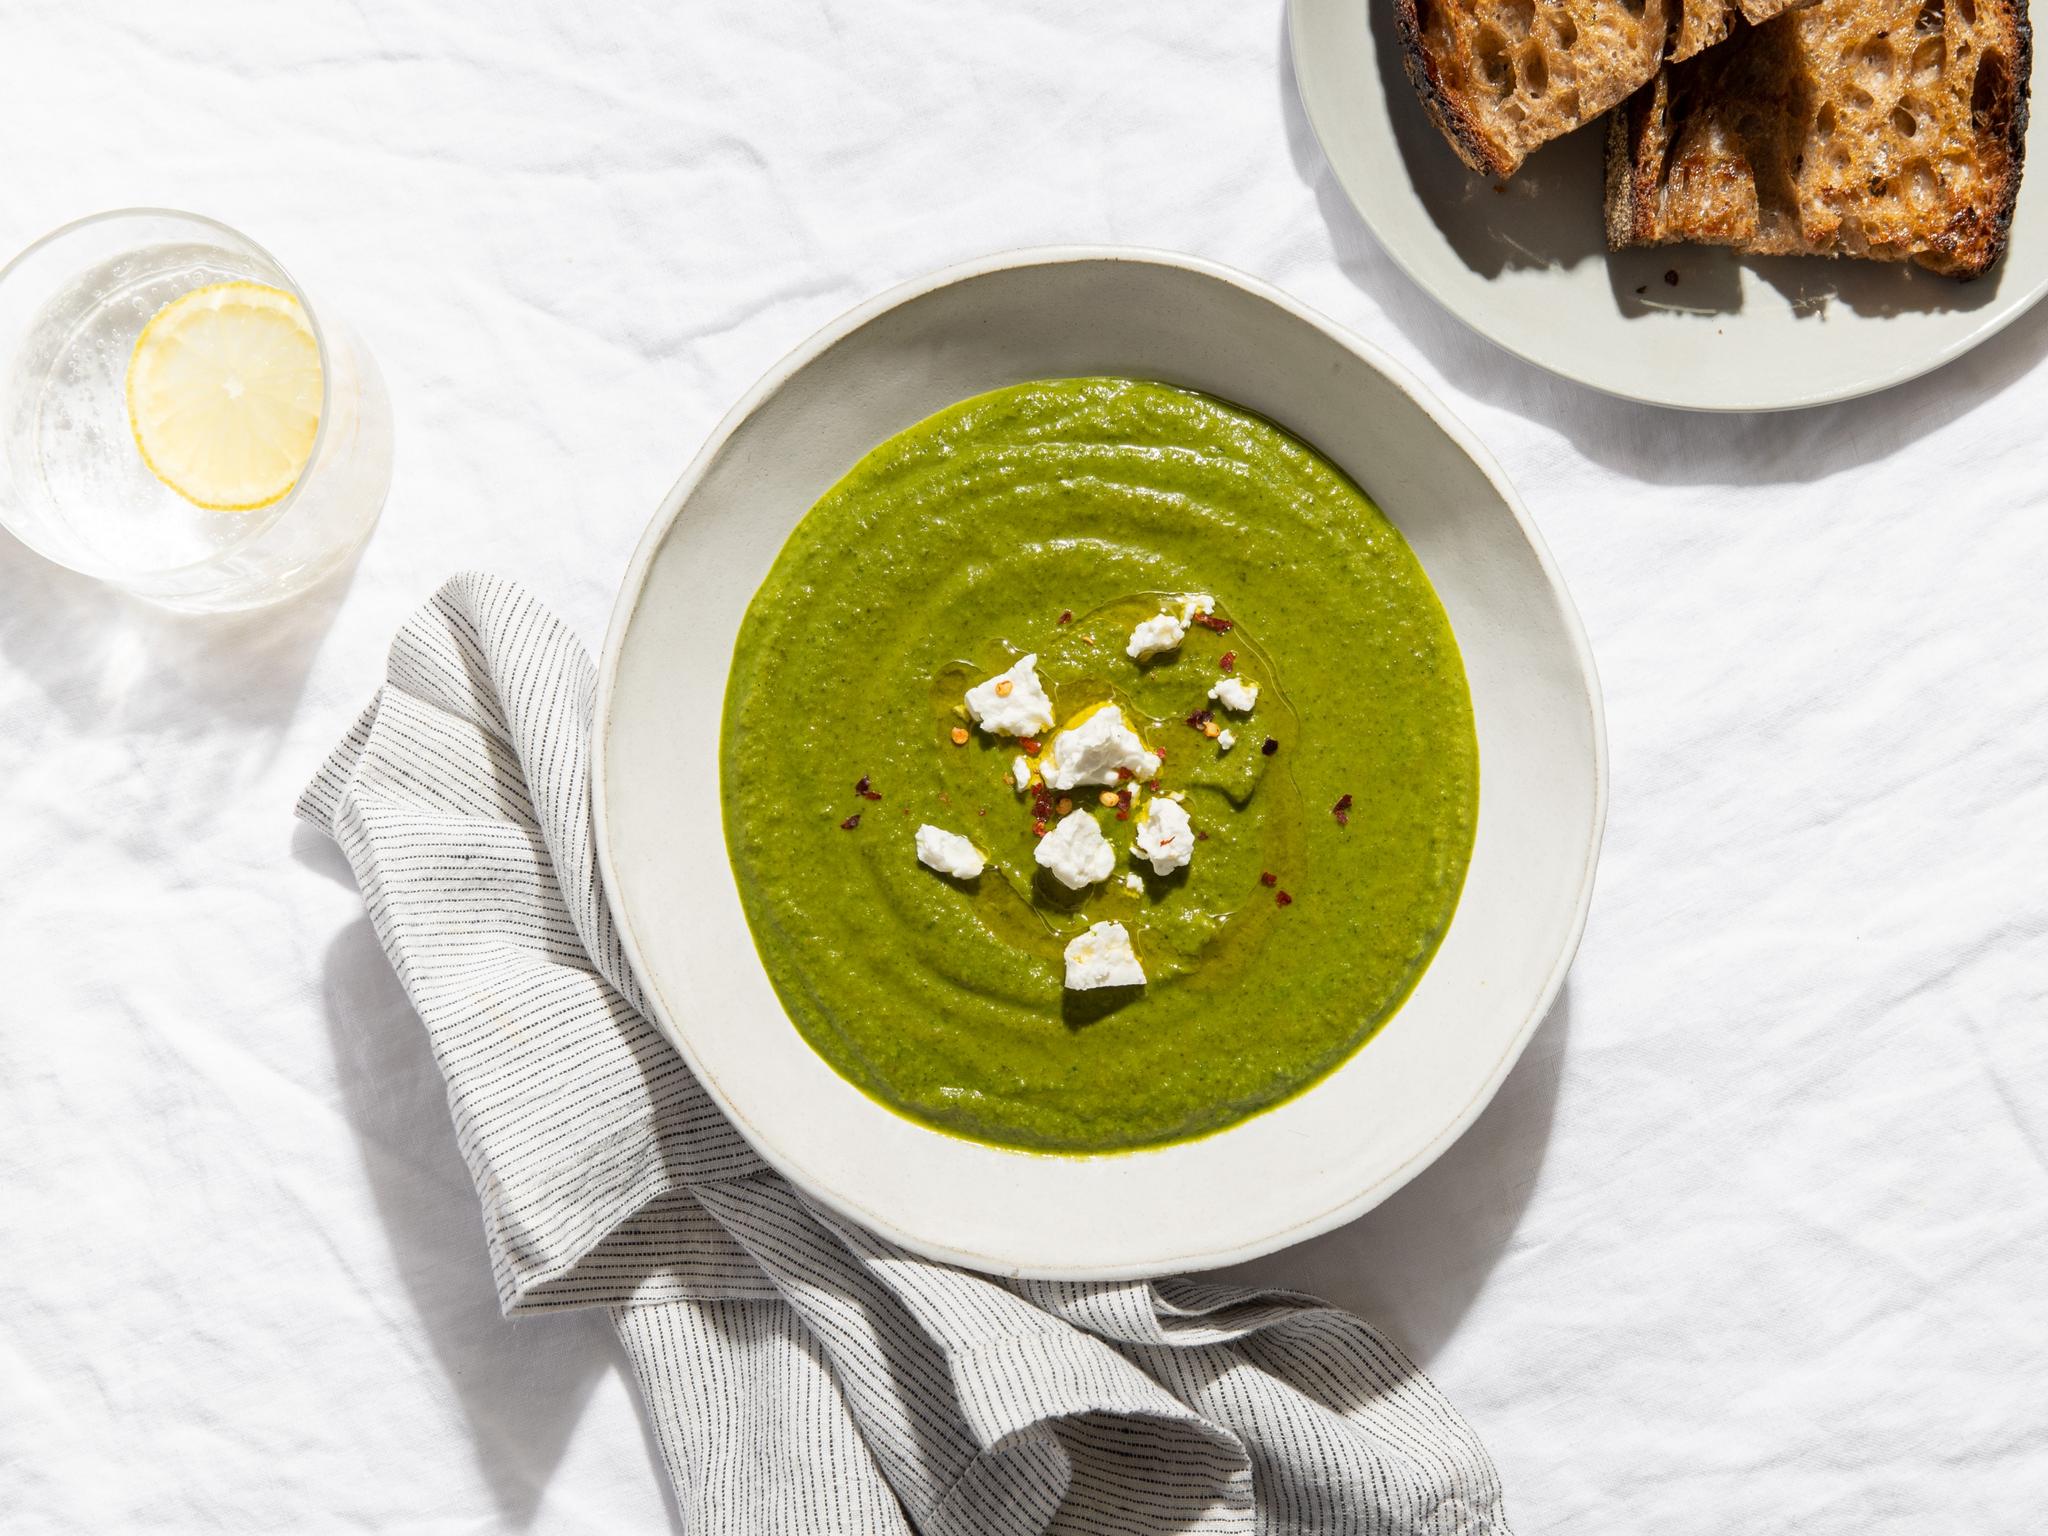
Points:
(1331, 821)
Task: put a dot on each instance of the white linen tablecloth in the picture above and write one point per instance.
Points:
(1754, 1239)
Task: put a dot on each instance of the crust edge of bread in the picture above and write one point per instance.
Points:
(1458, 126)
(2015, 139)
(1622, 203)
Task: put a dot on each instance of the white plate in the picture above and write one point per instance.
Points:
(1528, 268)
(1287, 1174)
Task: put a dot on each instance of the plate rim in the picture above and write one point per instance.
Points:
(632, 589)
(1994, 321)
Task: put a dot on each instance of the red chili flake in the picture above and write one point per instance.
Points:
(1153, 785)
(1124, 775)
(1227, 661)
(1123, 815)
(1282, 899)
(1267, 877)
(1041, 804)
(1269, 746)
(1038, 827)
(865, 790)
(1201, 836)
(1342, 811)
(1029, 744)
(1210, 621)
(850, 823)
(1066, 615)
(1123, 800)
(1201, 717)
(982, 812)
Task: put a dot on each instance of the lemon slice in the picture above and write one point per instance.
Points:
(224, 395)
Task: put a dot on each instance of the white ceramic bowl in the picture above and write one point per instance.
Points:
(1279, 1177)
(1526, 265)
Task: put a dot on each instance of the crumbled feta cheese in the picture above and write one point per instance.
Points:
(1235, 693)
(1226, 739)
(948, 852)
(1194, 603)
(1165, 837)
(1018, 710)
(1161, 633)
(1103, 957)
(1135, 884)
(1075, 852)
(1092, 752)
(1020, 770)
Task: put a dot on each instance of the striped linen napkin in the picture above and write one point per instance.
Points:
(803, 1375)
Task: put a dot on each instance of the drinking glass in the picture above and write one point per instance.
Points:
(74, 486)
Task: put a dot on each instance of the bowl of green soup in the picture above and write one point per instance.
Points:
(1096, 773)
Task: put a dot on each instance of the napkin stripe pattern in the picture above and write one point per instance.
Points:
(801, 1374)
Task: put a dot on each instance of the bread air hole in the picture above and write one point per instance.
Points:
(1495, 68)
(1518, 16)
(1535, 70)
(1921, 184)
(1874, 64)
(1859, 98)
(1824, 122)
(1565, 30)
(1967, 9)
(1905, 122)
(1932, 15)
(1925, 67)
(1991, 96)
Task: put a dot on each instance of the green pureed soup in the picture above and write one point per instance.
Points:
(1329, 838)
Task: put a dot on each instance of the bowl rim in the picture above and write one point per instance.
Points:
(633, 586)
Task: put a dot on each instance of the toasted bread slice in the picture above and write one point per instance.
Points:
(1703, 23)
(1500, 77)
(1892, 129)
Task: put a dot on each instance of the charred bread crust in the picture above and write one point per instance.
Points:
(1973, 245)
(2015, 140)
(1458, 126)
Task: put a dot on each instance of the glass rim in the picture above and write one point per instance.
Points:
(265, 518)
